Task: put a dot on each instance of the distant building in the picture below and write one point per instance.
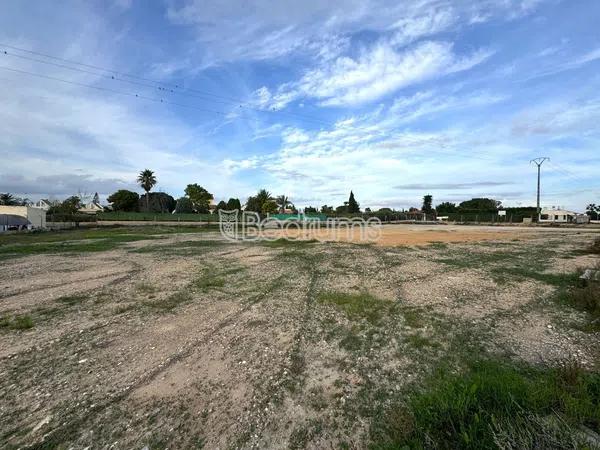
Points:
(91, 208)
(43, 203)
(558, 216)
(21, 217)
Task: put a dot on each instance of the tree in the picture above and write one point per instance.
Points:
(310, 210)
(147, 180)
(124, 200)
(593, 211)
(7, 199)
(220, 206)
(353, 206)
(427, 202)
(199, 196)
(342, 209)
(68, 206)
(326, 209)
(269, 207)
(282, 202)
(257, 202)
(157, 202)
(445, 208)
(234, 203)
(184, 206)
(479, 205)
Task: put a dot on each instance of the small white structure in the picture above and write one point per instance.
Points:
(558, 216)
(42, 204)
(36, 217)
(91, 208)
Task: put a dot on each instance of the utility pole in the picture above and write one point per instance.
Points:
(538, 162)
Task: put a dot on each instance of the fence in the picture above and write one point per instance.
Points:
(156, 217)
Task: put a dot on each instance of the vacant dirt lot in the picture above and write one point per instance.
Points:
(174, 338)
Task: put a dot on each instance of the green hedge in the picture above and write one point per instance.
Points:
(159, 217)
(70, 218)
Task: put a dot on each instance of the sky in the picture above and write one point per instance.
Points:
(311, 99)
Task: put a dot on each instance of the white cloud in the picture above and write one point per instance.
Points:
(376, 72)
(408, 29)
(428, 103)
(231, 30)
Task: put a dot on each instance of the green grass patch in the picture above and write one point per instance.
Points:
(72, 299)
(508, 274)
(18, 322)
(495, 405)
(184, 248)
(281, 242)
(356, 306)
(419, 341)
(81, 241)
(171, 302)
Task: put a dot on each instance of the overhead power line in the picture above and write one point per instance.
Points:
(114, 91)
(119, 76)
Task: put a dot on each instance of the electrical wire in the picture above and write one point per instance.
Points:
(143, 81)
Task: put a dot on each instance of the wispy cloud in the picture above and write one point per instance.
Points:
(444, 186)
(378, 71)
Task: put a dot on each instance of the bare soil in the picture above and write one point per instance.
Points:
(192, 341)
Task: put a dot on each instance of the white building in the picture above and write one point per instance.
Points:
(558, 216)
(36, 217)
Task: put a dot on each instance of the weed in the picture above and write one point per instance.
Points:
(289, 243)
(19, 322)
(356, 306)
(171, 302)
(209, 281)
(419, 341)
(488, 403)
(72, 299)
(413, 317)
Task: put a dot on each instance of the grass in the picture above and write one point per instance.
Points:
(18, 322)
(80, 241)
(171, 302)
(281, 242)
(419, 341)
(495, 404)
(595, 247)
(356, 306)
(183, 248)
(72, 299)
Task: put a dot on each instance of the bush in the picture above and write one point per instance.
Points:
(495, 405)
(58, 217)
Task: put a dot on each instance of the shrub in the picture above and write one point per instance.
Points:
(495, 405)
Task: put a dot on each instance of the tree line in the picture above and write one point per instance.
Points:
(198, 200)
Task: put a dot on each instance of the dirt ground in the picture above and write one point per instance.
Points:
(191, 341)
(398, 235)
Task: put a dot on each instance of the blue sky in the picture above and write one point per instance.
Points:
(393, 100)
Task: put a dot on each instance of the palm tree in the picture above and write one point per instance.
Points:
(147, 180)
(282, 202)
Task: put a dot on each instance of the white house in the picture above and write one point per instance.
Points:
(558, 216)
(91, 208)
(35, 217)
